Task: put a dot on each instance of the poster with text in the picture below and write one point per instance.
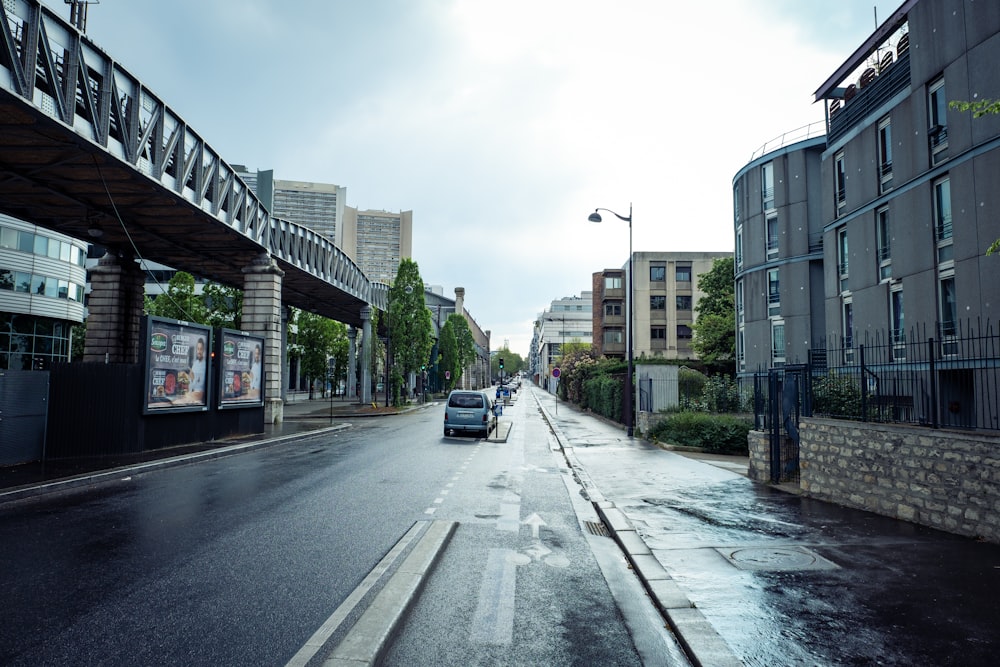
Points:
(242, 369)
(178, 362)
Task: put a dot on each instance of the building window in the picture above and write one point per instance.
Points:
(884, 155)
(842, 259)
(612, 310)
(741, 355)
(773, 294)
(683, 332)
(777, 342)
(840, 182)
(683, 302)
(658, 302)
(613, 336)
(683, 274)
(937, 114)
(658, 338)
(942, 218)
(739, 248)
(772, 236)
(736, 204)
(767, 186)
(897, 332)
(657, 274)
(847, 329)
(883, 237)
(612, 282)
(949, 309)
(739, 300)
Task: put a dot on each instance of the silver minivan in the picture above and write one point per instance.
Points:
(469, 411)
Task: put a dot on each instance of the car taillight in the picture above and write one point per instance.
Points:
(446, 415)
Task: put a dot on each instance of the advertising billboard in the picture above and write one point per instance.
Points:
(241, 365)
(177, 365)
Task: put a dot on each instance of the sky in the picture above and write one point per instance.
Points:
(502, 126)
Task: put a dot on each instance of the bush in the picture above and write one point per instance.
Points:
(719, 434)
(836, 395)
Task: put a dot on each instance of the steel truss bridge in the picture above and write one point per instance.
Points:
(87, 150)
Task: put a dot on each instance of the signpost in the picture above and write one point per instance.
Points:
(555, 374)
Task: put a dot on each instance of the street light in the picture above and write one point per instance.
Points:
(629, 389)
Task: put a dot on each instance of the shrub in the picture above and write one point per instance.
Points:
(720, 434)
(836, 395)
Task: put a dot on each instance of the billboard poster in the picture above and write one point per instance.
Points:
(177, 365)
(241, 366)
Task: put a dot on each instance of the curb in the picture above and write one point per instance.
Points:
(703, 645)
(91, 479)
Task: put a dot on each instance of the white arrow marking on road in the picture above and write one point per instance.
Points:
(535, 522)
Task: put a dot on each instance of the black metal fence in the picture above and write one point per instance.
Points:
(948, 379)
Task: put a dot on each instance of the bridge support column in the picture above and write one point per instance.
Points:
(366, 354)
(115, 311)
(262, 317)
(352, 363)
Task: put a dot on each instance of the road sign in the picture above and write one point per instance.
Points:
(555, 372)
(447, 375)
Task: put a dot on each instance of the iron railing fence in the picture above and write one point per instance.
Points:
(947, 378)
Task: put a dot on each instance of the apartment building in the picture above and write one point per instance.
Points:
(665, 294)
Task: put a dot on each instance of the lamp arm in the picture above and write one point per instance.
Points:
(620, 217)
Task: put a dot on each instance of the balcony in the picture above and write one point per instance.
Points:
(867, 99)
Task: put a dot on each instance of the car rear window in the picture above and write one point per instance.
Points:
(465, 401)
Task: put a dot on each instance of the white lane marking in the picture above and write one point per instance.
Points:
(438, 501)
(493, 622)
(430, 510)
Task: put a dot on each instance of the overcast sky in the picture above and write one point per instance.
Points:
(500, 125)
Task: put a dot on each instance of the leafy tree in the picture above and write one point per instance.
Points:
(448, 349)
(979, 109)
(715, 327)
(179, 302)
(512, 362)
(317, 339)
(223, 305)
(464, 342)
(411, 330)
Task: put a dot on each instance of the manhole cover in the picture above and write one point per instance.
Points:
(776, 559)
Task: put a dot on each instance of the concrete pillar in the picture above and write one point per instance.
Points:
(352, 362)
(262, 317)
(366, 354)
(117, 288)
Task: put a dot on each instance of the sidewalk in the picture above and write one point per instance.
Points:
(748, 574)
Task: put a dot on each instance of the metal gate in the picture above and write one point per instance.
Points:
(788, 394)
(23, 412)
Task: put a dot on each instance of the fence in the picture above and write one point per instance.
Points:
(948, 380)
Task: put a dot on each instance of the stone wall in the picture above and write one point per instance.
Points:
(759, 444)
(948, 480)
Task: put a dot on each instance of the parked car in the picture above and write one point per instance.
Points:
(469, 412)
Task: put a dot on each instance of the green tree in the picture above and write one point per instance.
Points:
(715, 327)
(512, 362)
(223, 305)
(317, 341)
(465, 344)
(411, 330)
(449, 358)
(179, 302)
(979, 109)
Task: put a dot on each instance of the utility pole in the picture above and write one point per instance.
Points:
(78, 13)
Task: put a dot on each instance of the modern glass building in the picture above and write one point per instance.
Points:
(42, 285)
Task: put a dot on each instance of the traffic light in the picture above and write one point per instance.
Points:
(501, 363)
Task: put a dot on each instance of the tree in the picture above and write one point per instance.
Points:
(715, 327)
(464, 342)
(448, 350)
(179, 302)
(317, 342)
(411, 331)
(223, 305)
(979, 109)
(512, 362)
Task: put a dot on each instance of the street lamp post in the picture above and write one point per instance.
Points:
(629, 388)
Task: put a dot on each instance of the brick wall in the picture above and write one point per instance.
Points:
(948, 480)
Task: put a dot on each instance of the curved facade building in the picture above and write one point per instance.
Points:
(778, 230)
(42, 283)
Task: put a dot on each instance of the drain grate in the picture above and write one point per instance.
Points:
(597, 528)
